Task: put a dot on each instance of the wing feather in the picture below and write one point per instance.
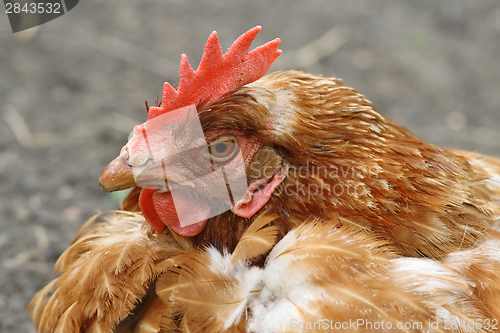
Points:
(206, 298)
(104, 274)
(257, 240)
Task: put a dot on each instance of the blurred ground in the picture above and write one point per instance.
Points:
(71, 91)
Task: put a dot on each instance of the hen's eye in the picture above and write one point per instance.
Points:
(223, 151)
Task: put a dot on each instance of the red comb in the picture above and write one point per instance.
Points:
(218, 73)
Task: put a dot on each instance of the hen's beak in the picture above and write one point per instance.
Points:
(117, 176)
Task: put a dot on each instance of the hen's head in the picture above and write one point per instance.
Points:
(189, 172)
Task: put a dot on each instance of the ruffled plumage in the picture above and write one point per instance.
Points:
(318, 274)
(412, 245)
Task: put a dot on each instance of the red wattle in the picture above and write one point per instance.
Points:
(159, 210)
(165, 209)
(148, 210)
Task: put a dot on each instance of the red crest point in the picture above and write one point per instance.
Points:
(218, 73)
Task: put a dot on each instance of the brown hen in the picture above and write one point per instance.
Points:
(283, 203)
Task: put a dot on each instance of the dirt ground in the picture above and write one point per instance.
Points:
(71, 91)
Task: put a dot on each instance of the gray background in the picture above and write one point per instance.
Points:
(71, 91)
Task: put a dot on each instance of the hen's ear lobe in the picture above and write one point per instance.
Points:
(258, 195)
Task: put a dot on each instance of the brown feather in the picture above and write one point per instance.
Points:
(257, 240)
(206, 299)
